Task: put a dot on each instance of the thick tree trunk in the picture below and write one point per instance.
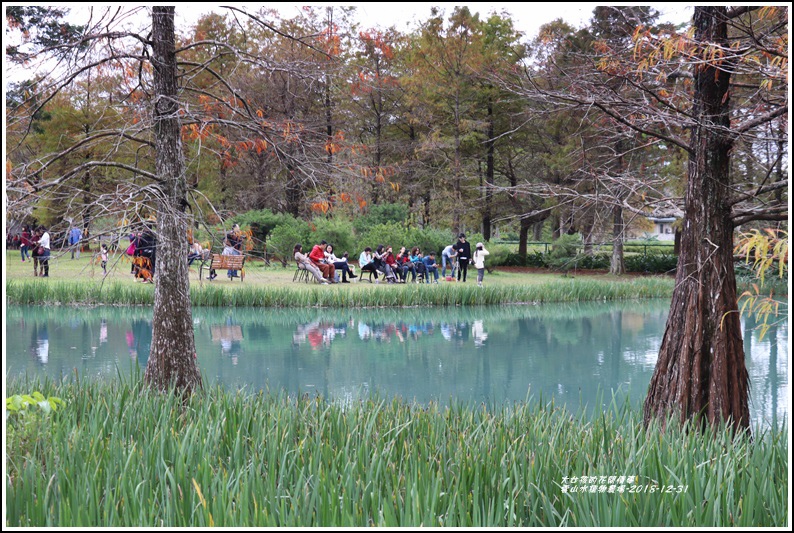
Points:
(700, 373)
(172, 359)
(523, 234)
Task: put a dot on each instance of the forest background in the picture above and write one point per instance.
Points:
(357, 118)
(462, 120)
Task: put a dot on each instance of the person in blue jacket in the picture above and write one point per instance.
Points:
(431, 267)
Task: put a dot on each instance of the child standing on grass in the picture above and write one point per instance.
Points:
(479, 261)
(103, 256)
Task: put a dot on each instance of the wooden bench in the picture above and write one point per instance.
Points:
(224, 262)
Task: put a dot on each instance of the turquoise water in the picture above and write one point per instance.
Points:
(569, 352)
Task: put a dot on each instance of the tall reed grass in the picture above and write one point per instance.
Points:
(560, 290)
(118, 455)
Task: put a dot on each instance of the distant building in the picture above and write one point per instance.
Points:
(663, 228)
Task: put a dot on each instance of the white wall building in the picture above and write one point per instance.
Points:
(663, 228)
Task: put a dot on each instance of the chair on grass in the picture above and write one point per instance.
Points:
(301, 274)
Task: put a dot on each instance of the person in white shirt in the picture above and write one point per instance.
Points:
(44, 258)
(448, 255)
(479, 261)
(340, 263)
(367, 263)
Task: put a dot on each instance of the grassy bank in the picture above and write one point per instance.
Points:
(117, 455)
(550, 289)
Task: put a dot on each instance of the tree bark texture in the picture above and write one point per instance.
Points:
(172, 357)
(700, 373)
(617, 266)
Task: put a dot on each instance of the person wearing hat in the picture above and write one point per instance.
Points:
(479, 261)
(463, 249)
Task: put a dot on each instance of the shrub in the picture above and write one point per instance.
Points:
(261, 222)
(431, 239)
(338, 232)
(563, 251)
(381, 214)
(285, 236)
(651, 263)
(499, 255)
(26, 416)
(388, 234)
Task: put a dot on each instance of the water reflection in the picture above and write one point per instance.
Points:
(572, 352)
(40, 343)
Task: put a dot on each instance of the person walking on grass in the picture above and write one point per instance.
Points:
(44, 252)
(74, 241)
(24, 243)
(34, 250)
(479, 261)
(103, 257)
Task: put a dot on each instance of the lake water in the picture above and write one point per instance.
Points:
(571, 352)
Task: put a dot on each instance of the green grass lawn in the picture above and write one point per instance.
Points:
(87, 268)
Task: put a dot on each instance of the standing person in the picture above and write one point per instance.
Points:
(132, 249)
(44, 249)
(34, 246)
(235, 238)
(448, 255)
(103, 256)
(479, 261)
(431, 267)
(304, 261)
(74, 240)
(24, 243)
(317, 256)
(147, 247)
(367, 263)
(463, 249)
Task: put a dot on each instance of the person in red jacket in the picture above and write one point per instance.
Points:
(24, 243)
(317, 255)
(396, 268)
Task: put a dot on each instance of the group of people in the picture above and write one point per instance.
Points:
(35, 245)
(143, 249)
(460, 256)
(322, 263)
(395, 268)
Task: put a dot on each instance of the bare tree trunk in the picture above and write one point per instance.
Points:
(555, 227)
(489, 177)
(172, 359)
(537, 231)
(587, 227)
(700, 373)
(293, 191)
(616, 264)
